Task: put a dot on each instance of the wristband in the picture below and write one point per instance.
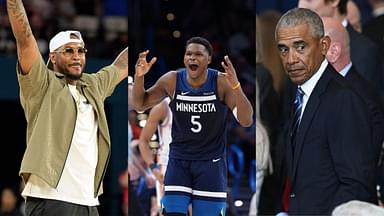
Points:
(236, 86)
(153, 166)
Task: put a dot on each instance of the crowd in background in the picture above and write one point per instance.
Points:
(103, 23)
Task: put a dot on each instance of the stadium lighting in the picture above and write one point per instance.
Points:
(176, 34)
(170, 16)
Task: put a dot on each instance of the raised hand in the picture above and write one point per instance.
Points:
(121, 62)
(27, 49)
(142, 66)
(230, 72)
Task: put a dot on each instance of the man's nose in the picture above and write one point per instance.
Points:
(292, 58)
(76, 54)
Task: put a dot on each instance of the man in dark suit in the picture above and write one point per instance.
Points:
(373, 29)
(365, 54)
(339, 56)
(329, 139)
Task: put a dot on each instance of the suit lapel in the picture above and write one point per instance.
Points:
(289, 146)
(309, 112)
(306, 120)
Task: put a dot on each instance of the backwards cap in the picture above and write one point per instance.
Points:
(63, 38)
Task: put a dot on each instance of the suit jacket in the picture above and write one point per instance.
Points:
(328, 164)
(371, 97)
(366, 57)
(279, 158)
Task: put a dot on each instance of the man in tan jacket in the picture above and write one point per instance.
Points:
(68, 143)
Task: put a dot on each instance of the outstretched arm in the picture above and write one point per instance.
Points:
(121, 62)
(144, 99)
(27, 49)
(235, 97)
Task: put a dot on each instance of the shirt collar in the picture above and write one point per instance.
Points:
(345, 70)
(310, 84)
(80, 82)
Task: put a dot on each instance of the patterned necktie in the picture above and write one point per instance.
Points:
(298, 106)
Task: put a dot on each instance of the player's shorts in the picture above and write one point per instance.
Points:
(202, 183)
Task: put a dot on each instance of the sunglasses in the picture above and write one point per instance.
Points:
(68, 52)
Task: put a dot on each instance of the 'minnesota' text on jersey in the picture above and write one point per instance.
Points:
(199, 120)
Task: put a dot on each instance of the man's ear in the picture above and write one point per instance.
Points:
(52, 58)
(209, 59)
(325, 42)
(337, 50)
(334, 52)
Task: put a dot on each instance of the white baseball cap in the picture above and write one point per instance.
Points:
(63, 38)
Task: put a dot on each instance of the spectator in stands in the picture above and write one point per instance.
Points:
(268, 116)
(123, 180)
(373, 29)
(266, 24)
(133, 204)
(365, 54)
(339, 56)
(353, 16)
(263, 159)
(159, 119)
(9, 203)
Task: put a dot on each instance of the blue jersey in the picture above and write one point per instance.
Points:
(199, 120)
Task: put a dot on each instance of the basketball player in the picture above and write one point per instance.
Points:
(200, 97)
(160, 119)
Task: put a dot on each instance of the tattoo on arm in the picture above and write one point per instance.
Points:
(17, 13)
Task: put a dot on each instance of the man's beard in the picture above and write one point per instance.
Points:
(68, 74)
(72, 76)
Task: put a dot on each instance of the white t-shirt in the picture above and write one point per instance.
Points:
(76, 184)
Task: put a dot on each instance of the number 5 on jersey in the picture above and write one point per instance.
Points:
(196, 124)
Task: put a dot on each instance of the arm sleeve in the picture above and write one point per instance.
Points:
(35, 82)
(107, 79)
(351, 150)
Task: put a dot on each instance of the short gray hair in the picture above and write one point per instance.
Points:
(300, 16)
